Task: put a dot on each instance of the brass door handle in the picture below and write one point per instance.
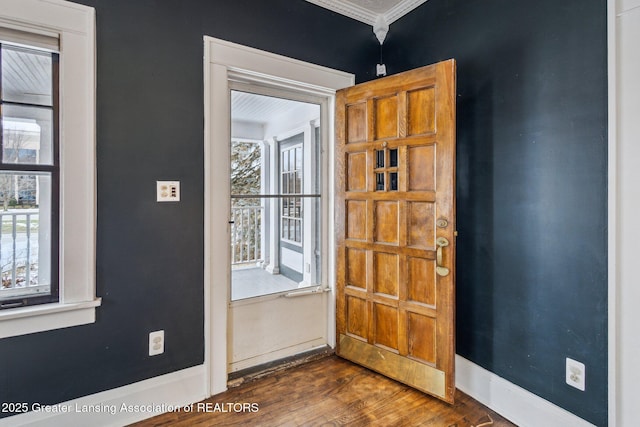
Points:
(441, 242)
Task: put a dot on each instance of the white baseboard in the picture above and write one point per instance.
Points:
(512, 402)
(153, 397)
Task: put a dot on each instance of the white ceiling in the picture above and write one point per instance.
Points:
(370, 11)
(253, 108)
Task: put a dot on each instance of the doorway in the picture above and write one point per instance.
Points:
(228, 65)
(278, 306)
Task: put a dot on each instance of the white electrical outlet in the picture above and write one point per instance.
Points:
(576, 373)
(168, 191)
(156, 343)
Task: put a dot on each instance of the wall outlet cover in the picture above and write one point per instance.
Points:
(575, 374)
(156, 343)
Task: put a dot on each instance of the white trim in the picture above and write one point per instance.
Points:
(348, 9)
(225, 62)
(207, 219)
(328, 238)
(401, 9)
(216, 226)
(75, 25)
(512, 402)
(612, 216)
(49, 15)
(46, 317)
(153, 397)
(624, 205)
(365, 15)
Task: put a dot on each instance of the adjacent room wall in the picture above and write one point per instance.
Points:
(532, 184)
(150, 127)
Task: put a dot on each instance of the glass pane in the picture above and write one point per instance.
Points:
(298, 178)
(278, 265)
(246, 159)
(26, 76)
(25, 235)
(27, 135)
(393, 158)
(379, 158)
(379, 182)
(393, 181)
(299, 158)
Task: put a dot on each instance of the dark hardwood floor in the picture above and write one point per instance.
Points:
(329, 392)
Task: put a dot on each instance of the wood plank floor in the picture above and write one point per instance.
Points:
(329, 392)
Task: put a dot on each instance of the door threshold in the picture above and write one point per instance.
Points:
(249, 374)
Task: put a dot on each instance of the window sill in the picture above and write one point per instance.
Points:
(46, 317)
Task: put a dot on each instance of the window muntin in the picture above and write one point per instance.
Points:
(29, 176)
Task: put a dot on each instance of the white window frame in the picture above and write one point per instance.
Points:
(74, 25)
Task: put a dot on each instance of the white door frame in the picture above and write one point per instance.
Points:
(224, 62)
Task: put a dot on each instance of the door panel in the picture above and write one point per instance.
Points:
(395, 226)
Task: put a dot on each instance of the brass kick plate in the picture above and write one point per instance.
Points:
(413, 373)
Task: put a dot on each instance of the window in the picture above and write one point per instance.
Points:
(386, 176)
(47, 166)
(29, 175)
(291, 184)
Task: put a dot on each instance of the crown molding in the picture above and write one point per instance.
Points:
(401, 9)
(348, 9)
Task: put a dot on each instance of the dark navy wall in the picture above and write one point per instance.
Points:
(532, 184)
(150, 256)
(532, 277)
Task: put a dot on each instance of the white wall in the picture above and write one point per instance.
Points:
(626, 102)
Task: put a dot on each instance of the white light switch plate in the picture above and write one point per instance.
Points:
(168, 191)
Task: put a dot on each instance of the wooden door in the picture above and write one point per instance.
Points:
(395, 225)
